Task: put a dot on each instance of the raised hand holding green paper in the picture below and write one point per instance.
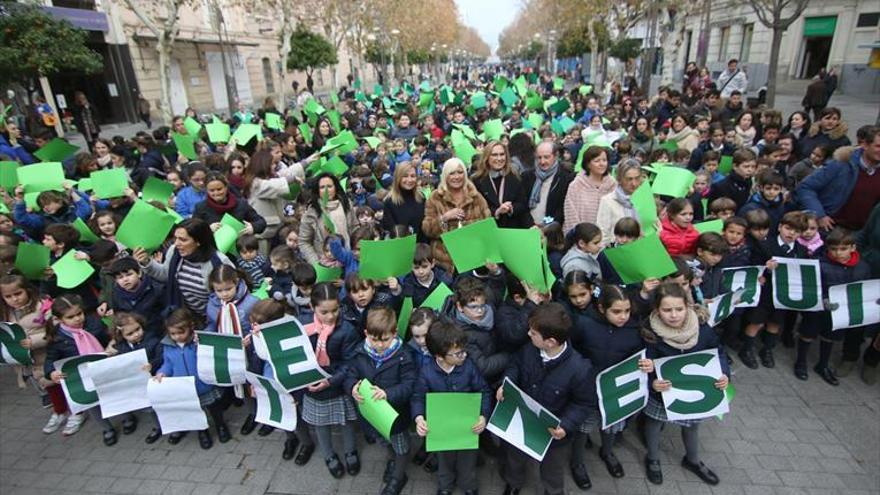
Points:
(70, 272)
(39, 177)
(673, 181)
(110, 183)
(388, 258)
(641, 259)
(377, 412)
(145, 226)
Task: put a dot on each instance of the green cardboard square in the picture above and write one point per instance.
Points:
(39, 177)
(388, 258)
(32, 259)
(218, 132)
(246, 132)
(185, 145)
(437, 297)
(274, 121)
(8, 175)
(56, 150)
(451, 417)
(641, 259)
(110, 183)
(145, 226)
(725, 164)
(493, 129)
(71, 272)
(558, 84)
(673, 181)
(157, 190)
(193, 127)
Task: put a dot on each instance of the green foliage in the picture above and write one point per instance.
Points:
(626, 49)
(33, 44)
(418, 56)
(309, 51)
(573, 43)
(532, 50)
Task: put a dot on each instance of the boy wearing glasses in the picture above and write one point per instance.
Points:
(451, 371)
(476, 317)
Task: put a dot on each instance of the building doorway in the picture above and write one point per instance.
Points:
(816, 52)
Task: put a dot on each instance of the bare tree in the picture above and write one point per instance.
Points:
(770, 13)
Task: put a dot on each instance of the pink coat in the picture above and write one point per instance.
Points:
(582, 200)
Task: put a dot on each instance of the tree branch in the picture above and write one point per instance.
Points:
(149, 23)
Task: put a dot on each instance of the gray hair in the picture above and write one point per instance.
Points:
(625, 166)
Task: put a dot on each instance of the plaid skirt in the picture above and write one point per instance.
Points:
(399, 442)
(594, 423)
(655, 410)
(327, 412)
(211, 396)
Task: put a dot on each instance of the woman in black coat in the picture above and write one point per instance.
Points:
(221, 200)
(406, 203)
(501, 188)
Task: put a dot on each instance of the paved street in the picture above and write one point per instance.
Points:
(783, 436)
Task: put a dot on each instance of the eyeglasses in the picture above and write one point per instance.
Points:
(457, 354)
(476, 307)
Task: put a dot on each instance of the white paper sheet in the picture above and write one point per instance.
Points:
(121, 382)
(176, 404)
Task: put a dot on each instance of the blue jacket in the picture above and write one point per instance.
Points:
(775, 209)
(566, 386)
(147, 300)
(64, 347)
(35, 222)
(244, 303)
(396, 376)
(464, 378)
(187, 199)
(15, 152)
(602, 343)
(181, 361)
(827, 189)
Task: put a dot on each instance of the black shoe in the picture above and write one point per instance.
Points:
(176, 437)
(767, 360)
(653, 472)
(800, 372)
(581, 478)
(205, 440)
(431, 464)
(827, 375)
(129, 425)
(305, 453)
(615, 469)
(352, 463)
(265, 430)
(394, 486)
(509, 490)
(153, 436)
(290, 446)
(389, 470)
(223, 434)
(110, 437)
(700, 470)
(249, 424)
(334, 466)
(748, 358)
(421, 456)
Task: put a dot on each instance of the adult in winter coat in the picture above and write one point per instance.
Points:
(405, 205)
(220, 201)
(733, 79)
(85, 117)
(454, 204)
(588, 188)
(618, 203)
(828, 130)
(501, 187)
(546, 185)
(328, 210)
(815, 98)
(682, 134)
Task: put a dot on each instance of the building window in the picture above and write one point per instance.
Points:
(267, 75)
(320, 73)
(745, 48)
(725, 40)
(868, 19)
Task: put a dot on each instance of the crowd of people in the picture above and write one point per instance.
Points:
(782, 186)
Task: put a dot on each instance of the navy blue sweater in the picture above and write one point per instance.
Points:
(396, 376)
(464, 378)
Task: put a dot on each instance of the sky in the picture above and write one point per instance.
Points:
(489, 17)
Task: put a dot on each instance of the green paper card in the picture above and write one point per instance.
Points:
(344, 141)
(71, 272)
(646, 207)
(450, 418)
(8, 175)
(32, 259)
(85, 233)
(245, 132)
(534, 101)
(225, 238)
(465, 151)
(725, 165)
(313, 107)
(669, 145)
(328, 274)
(306, 132)
(560, 106)
(145, 226)
(493, 129)
(466, 130)
(218, 132)
(558, 84)
(673, 181)
(39, 177)
(84, 184)
(710, 226)
(56, 150)
(261, 292)
(403, 319)
(640, 260)
(437, 297)
(508, 96)
(335, 166)
(185, 145)
(373, 142)
(388, 258)
(157, 190)
(378, 413)
(426, 99)
(500, 83)
(110, 183)
(535, 119)
(473, 245)
(585, 89)
(333, 117)
(478, 101)
(523, 255)
(193, 127)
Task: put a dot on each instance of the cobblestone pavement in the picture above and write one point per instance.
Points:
(782, 436)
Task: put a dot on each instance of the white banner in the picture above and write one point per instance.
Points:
(121, 382)
(797, 285)
(743, 277)
(522, 422)
(275, 405)
(176, 404)
(693, 394)
(722, 306)
(220, 359)
(622, 390)
(855, 305)
(77, 384)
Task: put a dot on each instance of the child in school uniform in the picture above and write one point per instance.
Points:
(707, 267)
(250, 260)
(472, 312)
(424, 277)
(765, 316)
(673, 328)
(553, 373)
(299, 305)
(738, 184)
(136, 292)
(626, 230)
(768, 198)
(583, 247)
(279, 273)
(387, 365)
(810, 237)
(841, 264)
(450, 370)
(606, 335)
(55, 207)
(419, 322)
(364, 295)
(578, 289)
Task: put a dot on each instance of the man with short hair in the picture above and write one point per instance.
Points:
(547, 184)
(733, 79)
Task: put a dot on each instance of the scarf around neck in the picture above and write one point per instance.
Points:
(86, 343)
(323, 331)
(225, 207)
(380, 357)
(683, 338)
(540, 176)
(487, 322)
(625, 200)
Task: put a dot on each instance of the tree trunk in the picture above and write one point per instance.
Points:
(163, 48)
(670, 59)
(594, 56)
(772, 66)
(334, 83)
(284, 52)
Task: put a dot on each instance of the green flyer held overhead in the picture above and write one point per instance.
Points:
(185, 145)
(472, 245)
(32, 259)
(71, 272)
(85, 233)
(157, 190)
(451, 417)
(646, 207)
(641, 259)
(273, 121)
(378, 413)
(673, 181)
(245, 132)
(218, 132)
(193, 127)
(56, 150)
(389, 258)
(327, 274)
(110, 183)
(145, 226)
(39, 177)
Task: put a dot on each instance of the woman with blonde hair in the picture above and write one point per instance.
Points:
(405, 204)
(454, 204)
(501, 187)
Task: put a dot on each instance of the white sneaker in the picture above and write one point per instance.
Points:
(54, 423)
(74, 423)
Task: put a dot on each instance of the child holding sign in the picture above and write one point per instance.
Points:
(130, 335)
(22, 306)
(673, 328)
(392, 373)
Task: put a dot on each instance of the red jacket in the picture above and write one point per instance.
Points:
(678, 241)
